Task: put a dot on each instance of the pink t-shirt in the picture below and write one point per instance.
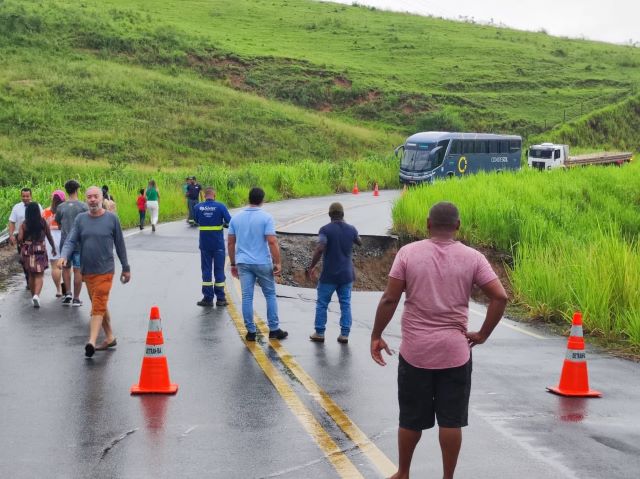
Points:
(438, 276)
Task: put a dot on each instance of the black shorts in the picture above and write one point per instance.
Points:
(427, 394)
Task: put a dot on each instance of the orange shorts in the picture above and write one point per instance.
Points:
(98, 287)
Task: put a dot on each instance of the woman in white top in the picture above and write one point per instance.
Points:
(49, 215)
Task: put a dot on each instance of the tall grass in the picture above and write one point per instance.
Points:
(572, 235)
(299, 179)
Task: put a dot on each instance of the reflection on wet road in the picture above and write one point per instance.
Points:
(288, 410)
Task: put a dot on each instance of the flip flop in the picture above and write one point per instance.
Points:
(89, 349)
(104, 347)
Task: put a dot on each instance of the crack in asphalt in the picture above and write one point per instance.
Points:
(113, 443)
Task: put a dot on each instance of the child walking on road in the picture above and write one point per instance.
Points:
(32, 249)
(142, 207)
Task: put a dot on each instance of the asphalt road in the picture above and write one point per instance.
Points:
(286, 409)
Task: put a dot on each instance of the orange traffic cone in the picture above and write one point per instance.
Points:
(574, 379)
(355, 190)
(154, 376)
(375, 189)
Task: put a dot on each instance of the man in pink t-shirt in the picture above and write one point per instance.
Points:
(434, 370)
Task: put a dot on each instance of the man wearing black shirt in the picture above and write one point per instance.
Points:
(194, 196)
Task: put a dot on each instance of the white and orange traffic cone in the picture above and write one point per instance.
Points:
(375, 189)
(154, 376)
(355, 189)
(574, 379)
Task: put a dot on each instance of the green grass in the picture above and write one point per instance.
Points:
(387, 70)
(303, 98)
(614, 127)
(304, 178)
(572, 235)
(98, 109)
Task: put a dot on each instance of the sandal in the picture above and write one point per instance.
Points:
(104, 346)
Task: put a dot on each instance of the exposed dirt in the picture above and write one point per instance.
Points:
(499, 261)
(8, 263)
(342, 82)
(372, 260)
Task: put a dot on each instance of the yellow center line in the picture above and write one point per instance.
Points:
(353, 432)
(338, 459)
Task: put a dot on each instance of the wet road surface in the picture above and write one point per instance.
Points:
(293, 409)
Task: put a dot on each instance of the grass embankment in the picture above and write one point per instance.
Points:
(390, 70)
(616, 127)
(573, 236)
(305, 178)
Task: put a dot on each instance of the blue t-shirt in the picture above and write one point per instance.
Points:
(337, 266)
(250, 228)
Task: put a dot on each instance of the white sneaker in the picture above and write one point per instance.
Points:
(36, 301)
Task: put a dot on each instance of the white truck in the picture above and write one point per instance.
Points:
(547, 156)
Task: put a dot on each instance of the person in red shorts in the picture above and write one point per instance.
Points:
(434, 367)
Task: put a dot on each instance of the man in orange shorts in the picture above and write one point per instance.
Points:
(96, 232)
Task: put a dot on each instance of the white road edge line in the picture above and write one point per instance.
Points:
(510, 326)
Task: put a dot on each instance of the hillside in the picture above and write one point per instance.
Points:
(616, 127)
(394, 69)
(152, 81)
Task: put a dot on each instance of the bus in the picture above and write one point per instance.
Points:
(431, 155)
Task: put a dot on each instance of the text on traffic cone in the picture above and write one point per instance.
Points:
(154, 376)
(574, 379)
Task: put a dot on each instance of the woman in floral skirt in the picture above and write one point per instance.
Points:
(31, 237)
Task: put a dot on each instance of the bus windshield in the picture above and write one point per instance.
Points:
(543, 154)
(418, 157)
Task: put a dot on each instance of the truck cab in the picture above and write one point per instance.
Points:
(547, 156)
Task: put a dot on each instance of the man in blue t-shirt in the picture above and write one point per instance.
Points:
(255, 257)
(335, 246)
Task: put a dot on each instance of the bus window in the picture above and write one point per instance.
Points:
(514, 146)
(456, 147)
(481, 146)
(503, 146)
(493, 146)
(443, 144)
(468, 147)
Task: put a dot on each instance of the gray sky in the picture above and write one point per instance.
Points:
(605, 20)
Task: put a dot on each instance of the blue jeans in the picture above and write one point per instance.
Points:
(263, 275)
(325, 291)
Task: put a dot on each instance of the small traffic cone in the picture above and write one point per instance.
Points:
(355, 190)
(574, 379)
(375, 189)
(154, 376)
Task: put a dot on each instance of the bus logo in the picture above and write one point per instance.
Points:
(462, 164)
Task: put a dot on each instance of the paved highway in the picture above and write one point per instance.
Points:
(285, 409)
